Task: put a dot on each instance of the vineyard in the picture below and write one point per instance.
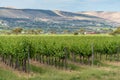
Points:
(58, 51)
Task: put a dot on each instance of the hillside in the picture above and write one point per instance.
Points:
(113, 16)
(50, 20)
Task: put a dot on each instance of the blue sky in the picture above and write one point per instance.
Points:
(65, 5)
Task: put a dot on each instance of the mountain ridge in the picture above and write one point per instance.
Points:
(52, 19)
(111, 15)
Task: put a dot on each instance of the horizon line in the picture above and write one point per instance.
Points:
(7, 7)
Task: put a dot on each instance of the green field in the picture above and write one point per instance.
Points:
(60, 57)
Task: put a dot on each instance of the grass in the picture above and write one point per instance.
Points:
(79, 72)
(55, 35)
(9, 75)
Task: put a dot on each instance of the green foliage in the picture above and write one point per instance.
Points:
(59, 47)
(54, 46)
(117, 31)
(17, 30)
(76, 33)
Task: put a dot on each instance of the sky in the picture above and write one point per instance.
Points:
(64, 5)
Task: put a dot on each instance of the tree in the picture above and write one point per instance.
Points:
(82, 31)
(117, 31)
(39, 31)
(76, 33)
(53, 32)
(17, 30)
(32, 31)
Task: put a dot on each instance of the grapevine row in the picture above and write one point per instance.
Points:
(16, 51)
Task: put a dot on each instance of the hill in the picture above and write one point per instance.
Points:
(113, 16)
(51, 20)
